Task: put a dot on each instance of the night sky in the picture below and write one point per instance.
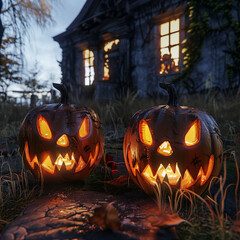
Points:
(42, 48)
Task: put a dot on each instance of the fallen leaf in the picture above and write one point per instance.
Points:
(165, 220)
(117, 181)
(106, 217)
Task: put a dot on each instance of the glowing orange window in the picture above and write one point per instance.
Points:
(88, 62)
(109, 47)
(169, 46)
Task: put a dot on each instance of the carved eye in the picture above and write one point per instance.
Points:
(145, 133)
(194, 134)
(43, 128)
(85, 128)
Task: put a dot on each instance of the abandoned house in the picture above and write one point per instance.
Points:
(115, 45)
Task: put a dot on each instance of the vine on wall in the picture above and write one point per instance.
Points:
(207, 17)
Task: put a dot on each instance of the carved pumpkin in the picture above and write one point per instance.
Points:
(61, 141)
(174, 144)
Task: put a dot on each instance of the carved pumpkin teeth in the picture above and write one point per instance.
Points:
(62, 163)
(173, 177)
(204, 177)
(92, 158)
(167, 174)
(48, 166)
(69, 163)
(187, 180)
(81, 165)
(147, 172)
(161, 173)
(35, 159)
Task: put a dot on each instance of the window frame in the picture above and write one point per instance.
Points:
(90, 58)
(115, 48)
(168, 17)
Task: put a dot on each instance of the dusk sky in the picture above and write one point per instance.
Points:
(41, 47)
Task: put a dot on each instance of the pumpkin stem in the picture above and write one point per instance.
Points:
(172, 95)
(63, 90)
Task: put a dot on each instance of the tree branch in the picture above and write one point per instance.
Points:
(11, 6)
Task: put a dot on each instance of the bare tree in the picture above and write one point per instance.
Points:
(16, 17)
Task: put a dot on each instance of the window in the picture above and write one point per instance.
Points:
(88, 62)
(169, 46)
(110, 57)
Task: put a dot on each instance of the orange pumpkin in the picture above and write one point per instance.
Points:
(62, 141)
(175, 144)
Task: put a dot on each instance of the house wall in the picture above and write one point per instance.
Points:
(146, 50)
(139, 57)
(210, 71)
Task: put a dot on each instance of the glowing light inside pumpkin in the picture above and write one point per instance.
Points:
(165, 149)
(145, 133)
(194, 134)
(108, 46)
(81, 165)
(167, 174)
(68, 162)
(92, 158)
(147, 172)
(43, 128)
(63, 141)
(85, 128)
(187, 180)
(201, 174)
(161, 173)
(47, 165)
(35, 160)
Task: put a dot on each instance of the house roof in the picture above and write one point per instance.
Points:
(93, 9)
(86, 12)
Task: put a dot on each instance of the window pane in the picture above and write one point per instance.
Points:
(174, 25)
(108, 46)
(174, 38)
(164, 51)
(175, 52)
(164, 41)
(176, 61)
(91, 61)
(88, 67)
(86, 53)
(164, 28)
(87, 81)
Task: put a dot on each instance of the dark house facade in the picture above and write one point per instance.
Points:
(115, 45)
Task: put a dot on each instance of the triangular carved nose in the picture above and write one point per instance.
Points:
(165, 149)
(63, 141)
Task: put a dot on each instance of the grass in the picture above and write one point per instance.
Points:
(207, 215)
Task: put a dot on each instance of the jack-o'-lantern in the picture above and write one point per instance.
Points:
(173, 144)
(63, 142)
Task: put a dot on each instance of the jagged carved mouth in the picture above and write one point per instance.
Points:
(168, 175)
(62, 163)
